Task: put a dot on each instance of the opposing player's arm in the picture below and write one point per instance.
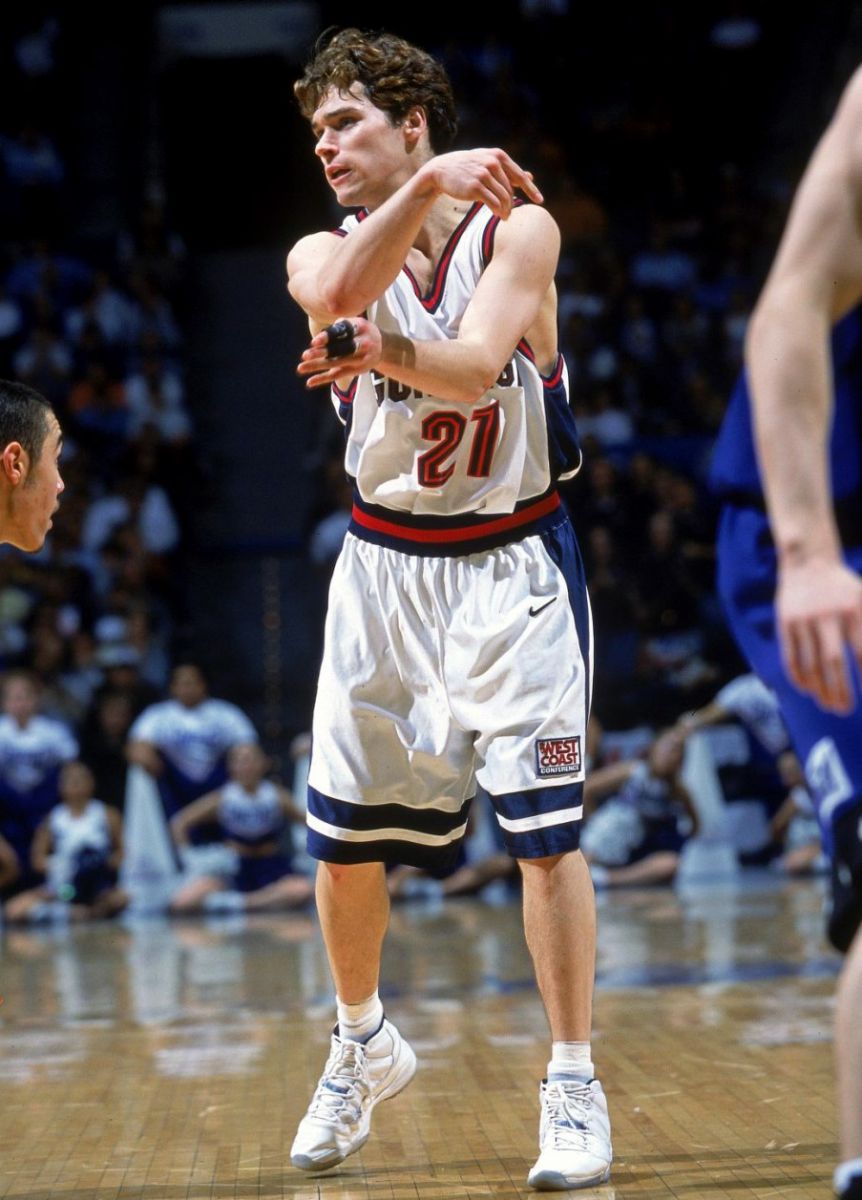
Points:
(815, 279)
(507, 301)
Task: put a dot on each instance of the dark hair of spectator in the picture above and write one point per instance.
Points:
(396, 75)
(23, 417)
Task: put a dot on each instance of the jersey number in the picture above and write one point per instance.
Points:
(447, 429)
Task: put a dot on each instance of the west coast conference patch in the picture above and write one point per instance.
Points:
(558, 756)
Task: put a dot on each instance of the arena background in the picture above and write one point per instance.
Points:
(666, 137)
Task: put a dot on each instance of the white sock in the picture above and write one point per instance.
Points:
(571, 1060)
(845, 1172)
(358, 1022)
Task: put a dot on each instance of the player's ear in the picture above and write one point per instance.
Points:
(14, 463)
(415, 123)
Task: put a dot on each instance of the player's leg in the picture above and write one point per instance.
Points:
(533, 770)
(829, 747)
(845, 844)
(353, 907)
(560, 928)
(389, 781)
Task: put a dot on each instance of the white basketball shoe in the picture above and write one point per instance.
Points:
(574, 1137)
(357, 1076)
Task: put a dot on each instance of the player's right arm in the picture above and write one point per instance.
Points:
(332, 277)
(816, 278)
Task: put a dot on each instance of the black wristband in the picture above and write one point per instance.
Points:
(341, 339)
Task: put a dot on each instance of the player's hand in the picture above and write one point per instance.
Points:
(489, 176)
(819, 611)
(352, 354)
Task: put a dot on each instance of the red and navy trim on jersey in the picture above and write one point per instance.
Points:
(550, 381)
(467, 533)
(435, 295)
(491, 232)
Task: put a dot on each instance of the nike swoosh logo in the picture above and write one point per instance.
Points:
(534, 612)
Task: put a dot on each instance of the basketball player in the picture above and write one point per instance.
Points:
(791, 589)
(458, 635)
(30, 483)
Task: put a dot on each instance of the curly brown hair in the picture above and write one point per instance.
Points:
(396, 75)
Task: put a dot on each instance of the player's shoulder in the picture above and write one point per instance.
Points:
(312, 246)
(528, 223)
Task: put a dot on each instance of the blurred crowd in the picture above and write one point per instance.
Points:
(667, 221)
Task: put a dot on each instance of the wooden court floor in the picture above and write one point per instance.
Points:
(171, 1061)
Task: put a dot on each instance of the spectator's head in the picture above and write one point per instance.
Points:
(30, 483)
(76, 784)
(114, 715)
(21, 693)
(394, 75)
(661, 532)
(189, 684)
(247, 764)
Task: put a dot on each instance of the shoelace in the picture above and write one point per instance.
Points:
(566, 1116)
(343, 1085)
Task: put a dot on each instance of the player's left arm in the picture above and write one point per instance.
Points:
(506, 303)
(816, 278)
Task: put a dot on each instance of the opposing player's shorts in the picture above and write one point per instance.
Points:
(828, 745)
(441, 671)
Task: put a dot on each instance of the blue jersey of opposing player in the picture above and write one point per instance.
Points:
(734, 473)
(827, 745)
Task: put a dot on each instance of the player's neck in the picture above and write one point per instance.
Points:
(445, 216)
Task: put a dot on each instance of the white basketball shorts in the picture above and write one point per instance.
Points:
(438, 672)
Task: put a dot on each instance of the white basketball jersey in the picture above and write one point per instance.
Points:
(423, 456)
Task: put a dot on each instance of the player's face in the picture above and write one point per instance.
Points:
(35, 500)
(364, 156)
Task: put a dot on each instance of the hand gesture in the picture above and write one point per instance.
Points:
(819, 612)
(346, 348)
(487, 175)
